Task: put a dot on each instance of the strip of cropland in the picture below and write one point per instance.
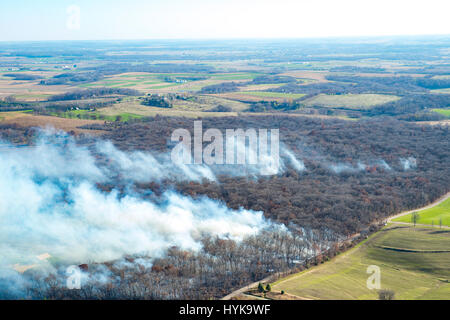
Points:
(437, 215)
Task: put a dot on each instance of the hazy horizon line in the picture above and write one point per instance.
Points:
(237, 38)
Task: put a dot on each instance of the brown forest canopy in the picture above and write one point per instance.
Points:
(318, 197)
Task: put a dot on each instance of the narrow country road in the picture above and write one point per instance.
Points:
(246, 288)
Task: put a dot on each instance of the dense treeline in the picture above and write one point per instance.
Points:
(180, 79)
(94, 93)
(430, 83)
(10, 104)
(267, 106)
(435, 69)
(357, 69)
(272, 79)
(319, 197)
(73, 78)
(411, 104)
(220, 266)
(49, 108)
(355, 85)
(220, 108)
(399, 83)
(221, 87)
(16, 134)
(22, 76)
(117, 68)
(155, 100)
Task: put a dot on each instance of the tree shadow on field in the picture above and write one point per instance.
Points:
(440, 232)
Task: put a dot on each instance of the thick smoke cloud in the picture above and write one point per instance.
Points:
(50, 206)
(144, 167)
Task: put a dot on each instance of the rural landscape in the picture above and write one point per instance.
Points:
(363, 178)
(224, 159)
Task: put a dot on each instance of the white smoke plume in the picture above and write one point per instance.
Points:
(360, 166)
(144, 167)
(297, 164)
(384, 165)
(344, 167)
(257, 163)
(408, 163)
(50, 206)
(94, 226)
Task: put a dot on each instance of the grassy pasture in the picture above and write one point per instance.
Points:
(146, 111)
(196, 106)
(96, 115)
(413, 274)
(445, 112)
(235, 76)
(266, 94)
(261, 87)
(428, 216)
(307, 76)
(9, 115)
(27, 119)
(350, 101)
(155, 82)
(32, 96)
(140, 81)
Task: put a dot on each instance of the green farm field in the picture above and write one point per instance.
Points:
(96, 115)
(155, 81)
(350, 101)
(431, 216)
(445, 112)
(405, 256)
(266, 94)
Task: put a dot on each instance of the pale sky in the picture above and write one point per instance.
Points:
(214, 19)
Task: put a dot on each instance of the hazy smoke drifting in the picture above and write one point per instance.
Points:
(409, 163)
(297, 164)
(360, 166)
(49, 204)
(144, 167)
(257, 163)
